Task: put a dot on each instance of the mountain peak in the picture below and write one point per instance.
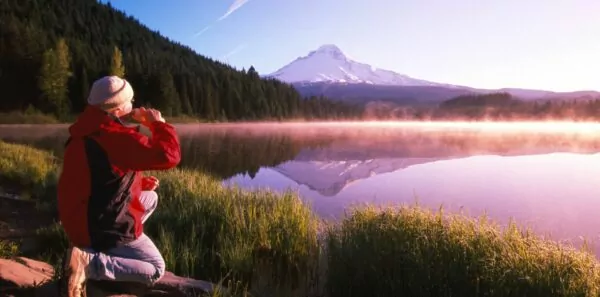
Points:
(329, 49)
(329, 64)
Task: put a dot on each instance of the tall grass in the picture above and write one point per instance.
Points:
(273, 245)
(204, 230)
(29, 116)
(30, 171)
(410, 251)
(34, 117)
(8, 249)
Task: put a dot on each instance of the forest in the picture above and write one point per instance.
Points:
(51, 51)
(494, 106)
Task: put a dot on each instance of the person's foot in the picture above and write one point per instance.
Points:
(74, 273)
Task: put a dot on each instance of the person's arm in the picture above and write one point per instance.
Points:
(135, 151)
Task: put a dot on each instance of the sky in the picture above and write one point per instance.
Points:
(535, 44)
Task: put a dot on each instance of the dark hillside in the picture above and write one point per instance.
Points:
(165, 74)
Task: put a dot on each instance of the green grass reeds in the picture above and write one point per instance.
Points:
(411, 251)
(205, 230)
(32, 172)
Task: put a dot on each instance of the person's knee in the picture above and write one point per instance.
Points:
(160, 266)
(149, 199)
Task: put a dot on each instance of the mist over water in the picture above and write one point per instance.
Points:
(545, 175)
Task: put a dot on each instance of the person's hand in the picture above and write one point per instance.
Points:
(153, 115)
(139, 114)
(149, 183)
(147, 116)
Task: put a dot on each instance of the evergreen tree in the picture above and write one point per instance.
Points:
(85, 85)
(168, 101)
(185, 100)
(116, 67)
(54, 78)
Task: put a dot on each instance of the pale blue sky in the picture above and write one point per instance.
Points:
(544, 44)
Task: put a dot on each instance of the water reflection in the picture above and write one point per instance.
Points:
(546, 179)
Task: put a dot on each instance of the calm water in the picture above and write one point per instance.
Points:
(544, 176)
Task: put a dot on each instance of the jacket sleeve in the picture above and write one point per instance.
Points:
(135, 151)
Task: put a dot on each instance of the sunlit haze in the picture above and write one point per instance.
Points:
(538, 44)
(497, 126)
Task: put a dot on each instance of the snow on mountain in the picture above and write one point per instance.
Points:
(330, 177)
(329, 64)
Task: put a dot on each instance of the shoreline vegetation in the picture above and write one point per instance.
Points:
(38, 118)
(273, 244)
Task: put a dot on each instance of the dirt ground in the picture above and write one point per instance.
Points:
(19, 218)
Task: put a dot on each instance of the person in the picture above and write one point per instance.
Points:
(103, 200)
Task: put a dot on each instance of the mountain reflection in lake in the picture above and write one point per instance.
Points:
(544, 178)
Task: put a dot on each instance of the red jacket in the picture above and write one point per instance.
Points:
(100, 182)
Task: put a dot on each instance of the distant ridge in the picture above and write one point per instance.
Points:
(328, 71)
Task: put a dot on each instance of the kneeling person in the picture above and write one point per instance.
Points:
(103, 199)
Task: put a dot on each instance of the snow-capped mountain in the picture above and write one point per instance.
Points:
(328, 71)
(329, 64)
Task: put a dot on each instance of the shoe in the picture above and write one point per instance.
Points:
(74, 273)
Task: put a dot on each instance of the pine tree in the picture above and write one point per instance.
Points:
(85, 84)
(186, 106)
(116, 67)
(54, 78)
(252, 73)
(169, 102)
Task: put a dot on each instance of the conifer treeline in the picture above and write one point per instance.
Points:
(493, 106)
(52, 50)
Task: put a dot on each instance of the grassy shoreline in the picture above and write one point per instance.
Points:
(274, 245)
(34, 117)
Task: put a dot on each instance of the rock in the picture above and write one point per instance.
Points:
(30, 278)
(23, 272)
(169, 285)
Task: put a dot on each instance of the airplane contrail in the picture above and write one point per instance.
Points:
(233, 7)
(202, 31)
(236, 50)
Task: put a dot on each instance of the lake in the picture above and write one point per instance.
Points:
(542, 175)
